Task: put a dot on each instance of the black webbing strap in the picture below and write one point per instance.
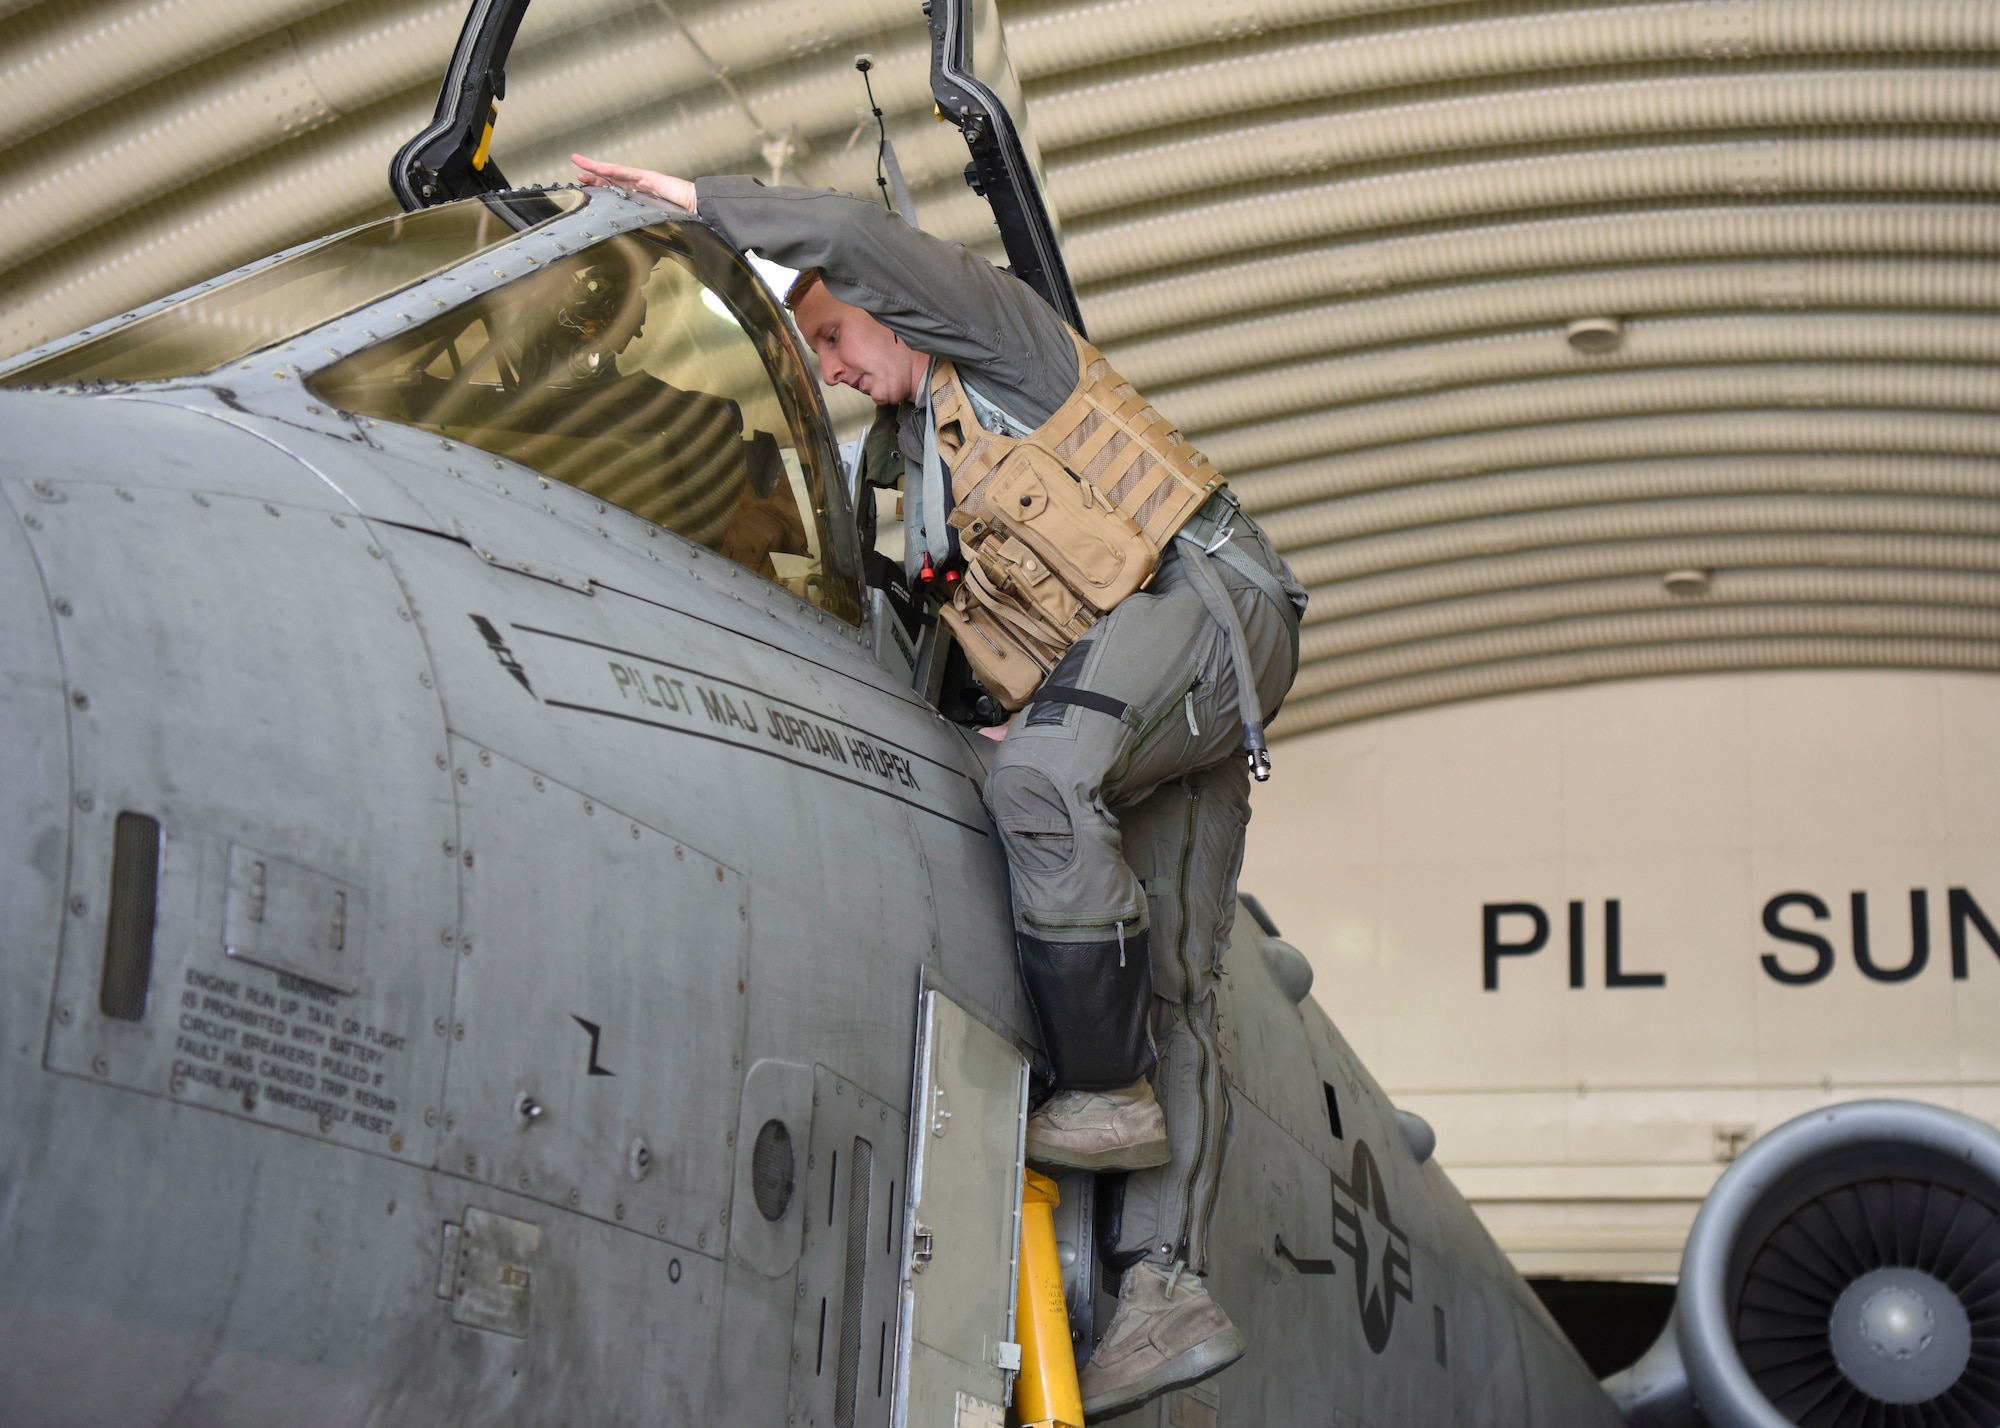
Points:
(1081, 698)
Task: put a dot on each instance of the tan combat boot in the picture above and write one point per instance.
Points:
(1100, 1130)
(1166, 1334)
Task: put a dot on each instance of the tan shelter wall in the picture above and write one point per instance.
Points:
(1555, 341)
(1585, 1124)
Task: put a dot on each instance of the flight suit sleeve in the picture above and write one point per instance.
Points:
(940, 297)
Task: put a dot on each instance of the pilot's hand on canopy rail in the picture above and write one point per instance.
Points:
(593, 173)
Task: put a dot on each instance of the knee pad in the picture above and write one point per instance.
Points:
(1092, 1001)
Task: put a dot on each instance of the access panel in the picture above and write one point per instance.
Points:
(961, 1236)
(256, 889)
(597, 1027)
(843, 1339)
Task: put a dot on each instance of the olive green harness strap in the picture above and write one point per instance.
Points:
(1208, 533)
(1267, 585)
(1223, 612)
(1214, 519)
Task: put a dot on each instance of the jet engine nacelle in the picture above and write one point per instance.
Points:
(1848, 1260)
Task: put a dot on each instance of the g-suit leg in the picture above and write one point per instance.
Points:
(1066, 776)
(1186, 841)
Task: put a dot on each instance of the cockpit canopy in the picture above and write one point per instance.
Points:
(650, 370)
(310, 287)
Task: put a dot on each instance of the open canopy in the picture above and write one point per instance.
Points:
(586, 76)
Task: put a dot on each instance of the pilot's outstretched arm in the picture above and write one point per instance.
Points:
(941, 298)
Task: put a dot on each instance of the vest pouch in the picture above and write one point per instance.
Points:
(1048, 550)
(1099, 552)
(1018, 576)
(1001, 660)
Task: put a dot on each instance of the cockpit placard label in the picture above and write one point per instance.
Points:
(273, 1045)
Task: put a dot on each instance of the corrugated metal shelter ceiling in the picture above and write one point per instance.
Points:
(1498, 315)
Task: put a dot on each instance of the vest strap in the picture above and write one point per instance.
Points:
(1082, 699)
(932, 532)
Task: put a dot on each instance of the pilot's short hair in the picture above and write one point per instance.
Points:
(801, 285)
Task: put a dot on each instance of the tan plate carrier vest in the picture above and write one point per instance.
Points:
(1060, 525)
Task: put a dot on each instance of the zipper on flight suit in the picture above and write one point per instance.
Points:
(1202, 1111)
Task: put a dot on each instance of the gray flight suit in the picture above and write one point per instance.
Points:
(1123, 811)
(1142, 820)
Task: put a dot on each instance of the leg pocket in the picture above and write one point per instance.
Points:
(1034, 821)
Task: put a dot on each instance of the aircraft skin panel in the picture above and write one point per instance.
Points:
(1381, 1252)
(1487, 1302)
(1274, 1189)
(634, 678)
(655, 1271)
(167, 445)
(776, 771)
(262, 1270)
(970, 903)
(1265, 1043)
(1560, 1390)
(961, 1228)
(284, 800)
(695, 753)
(578, 948)
(508, 512)
(318, 440)
(34, 769)
(843, 1370)
(1483, 1351)
(1388, 1272)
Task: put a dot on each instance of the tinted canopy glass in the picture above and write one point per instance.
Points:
(205, 330)
(649, 370)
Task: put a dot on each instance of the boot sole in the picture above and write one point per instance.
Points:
(1184, 1370)
(1147, 1156)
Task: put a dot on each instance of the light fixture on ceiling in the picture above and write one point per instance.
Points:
(1596, 334)
(1687, 583)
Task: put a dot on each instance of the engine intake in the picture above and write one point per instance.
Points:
(1844, 1273)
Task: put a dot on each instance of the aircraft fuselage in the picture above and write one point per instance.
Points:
(514, 863)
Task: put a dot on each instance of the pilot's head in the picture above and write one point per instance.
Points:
(854, 350)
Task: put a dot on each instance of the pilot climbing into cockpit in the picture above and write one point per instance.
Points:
(1105, 587)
